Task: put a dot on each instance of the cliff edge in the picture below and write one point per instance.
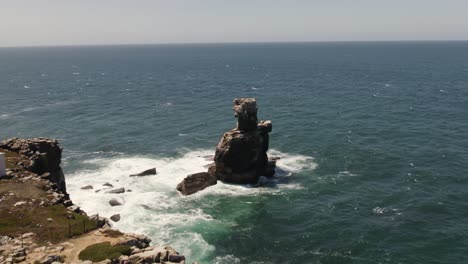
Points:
(40, 224)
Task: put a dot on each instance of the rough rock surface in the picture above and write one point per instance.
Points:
(38, 160)
(45, 156)
(153, 254)
(115, 217)
(241, 155)
(196, 182)
(145, 173)
(115, 202)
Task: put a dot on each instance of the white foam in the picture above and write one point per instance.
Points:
(154, 207)
(293, 162)
(228, 259)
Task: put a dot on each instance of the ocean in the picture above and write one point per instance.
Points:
(372, 138)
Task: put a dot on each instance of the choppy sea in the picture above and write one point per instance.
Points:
(372, 139)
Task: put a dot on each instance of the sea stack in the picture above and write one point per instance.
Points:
(241, 155)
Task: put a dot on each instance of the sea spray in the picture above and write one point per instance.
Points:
(151, 204)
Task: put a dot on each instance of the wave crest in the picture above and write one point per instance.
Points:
(153, 206)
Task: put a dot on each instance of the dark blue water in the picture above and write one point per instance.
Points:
(374, 137)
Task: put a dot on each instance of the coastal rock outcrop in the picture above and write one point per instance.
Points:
(34, 198)
(196, 182)
(241, 155)
(44, 154)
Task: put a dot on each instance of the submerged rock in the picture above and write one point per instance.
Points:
(118, 190)
(241, 155)
(87, 187)
(145, 173)
(196, 182)
(108, 185)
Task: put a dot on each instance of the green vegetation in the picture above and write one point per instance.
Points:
(24, 208)
(26, 218)
(102, 251)
(112, 233)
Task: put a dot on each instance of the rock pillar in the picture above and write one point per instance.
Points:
(241, 155)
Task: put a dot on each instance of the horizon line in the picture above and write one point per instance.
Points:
(227, 43)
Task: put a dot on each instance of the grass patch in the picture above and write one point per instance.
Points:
(26, 218)
(112, 233)
(102, 251)
(24, 208)
(27, 210)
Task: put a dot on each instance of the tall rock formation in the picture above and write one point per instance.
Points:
(241, 155)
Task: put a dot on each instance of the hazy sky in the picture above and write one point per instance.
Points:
(77, 22)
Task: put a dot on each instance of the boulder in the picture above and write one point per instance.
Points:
(108, 185)
(51, 258)
(74, 208)
(118, 190)
(156, 255)
(115, 202)
(241, 155)
(196, 182)
(145, 173)
(115, 217)
(100, 221)
(87, 187)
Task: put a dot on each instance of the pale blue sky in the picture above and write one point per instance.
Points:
(81, 22)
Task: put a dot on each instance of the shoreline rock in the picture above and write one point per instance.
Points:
(38, 161)
(145, 173)
(196, 182)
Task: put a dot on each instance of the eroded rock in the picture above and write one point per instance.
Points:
(115, 217)
(115, 202)
(241, 155)
(196, 182)
(145, 173)
(44, 155)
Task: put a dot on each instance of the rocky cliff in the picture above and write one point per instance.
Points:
(45, 156)
(241, 155)
(40, 224)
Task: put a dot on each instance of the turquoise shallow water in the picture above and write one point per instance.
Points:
(372, 135)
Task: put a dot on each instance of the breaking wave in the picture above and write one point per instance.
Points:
(151, 204)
